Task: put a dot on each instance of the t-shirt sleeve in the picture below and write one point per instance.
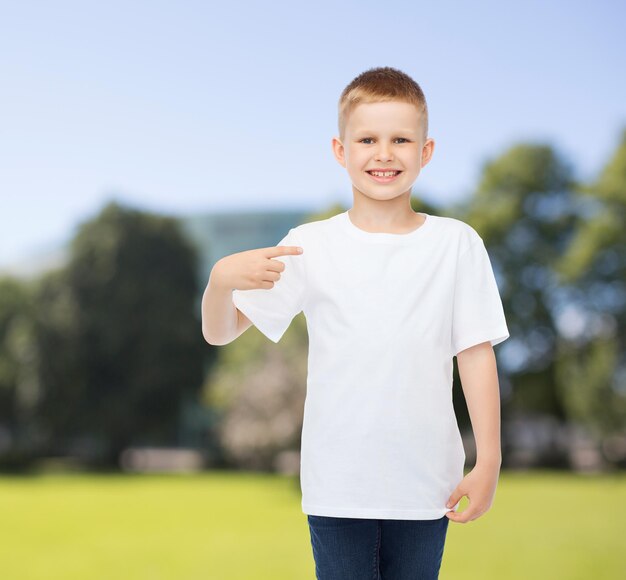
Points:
(478, 314)
(272, 310)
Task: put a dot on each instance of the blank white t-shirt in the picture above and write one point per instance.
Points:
(385, 314)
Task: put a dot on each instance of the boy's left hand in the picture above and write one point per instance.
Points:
(479, 485)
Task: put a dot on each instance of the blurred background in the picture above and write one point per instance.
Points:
(141, 142)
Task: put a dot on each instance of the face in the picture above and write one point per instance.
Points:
(383, 136)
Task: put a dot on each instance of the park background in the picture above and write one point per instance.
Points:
(142, 141)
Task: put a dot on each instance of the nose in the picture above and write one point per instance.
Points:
(384, 153)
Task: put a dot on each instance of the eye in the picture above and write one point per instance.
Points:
(370, 139)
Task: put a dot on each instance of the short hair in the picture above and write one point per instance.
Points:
(377, 85)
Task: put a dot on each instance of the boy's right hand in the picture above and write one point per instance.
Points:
(253, 268)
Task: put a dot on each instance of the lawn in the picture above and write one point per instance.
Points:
(231, 526)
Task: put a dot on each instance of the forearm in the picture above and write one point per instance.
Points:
(479, 379)
(220, 318)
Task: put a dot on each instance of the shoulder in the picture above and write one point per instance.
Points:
(458, 233)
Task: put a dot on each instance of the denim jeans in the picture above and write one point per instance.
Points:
(368, 549)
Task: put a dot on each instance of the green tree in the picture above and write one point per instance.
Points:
(523, 208)
(592, 356)
(119, 344)
(19, 389)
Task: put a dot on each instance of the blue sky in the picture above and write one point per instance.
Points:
(186, 107)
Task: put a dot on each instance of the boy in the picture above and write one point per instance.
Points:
(390, 297)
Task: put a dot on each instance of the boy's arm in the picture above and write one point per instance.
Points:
(257, 270)
(479, 379)
(217, 300)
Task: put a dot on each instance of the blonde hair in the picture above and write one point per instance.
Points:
(377, 85)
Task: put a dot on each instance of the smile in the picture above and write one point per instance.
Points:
(384, 177)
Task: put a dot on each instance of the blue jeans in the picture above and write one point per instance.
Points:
(367, 549)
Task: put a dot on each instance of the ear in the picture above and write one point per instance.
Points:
(338, 151)
(427, 151)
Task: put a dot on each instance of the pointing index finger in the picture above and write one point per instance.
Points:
(283, 251)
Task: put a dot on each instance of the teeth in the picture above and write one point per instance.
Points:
(384, 174)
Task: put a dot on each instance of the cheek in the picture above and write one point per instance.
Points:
(358, 161)
(353, 164)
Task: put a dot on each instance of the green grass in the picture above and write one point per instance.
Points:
(227, 526)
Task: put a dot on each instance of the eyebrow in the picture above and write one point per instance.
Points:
(359, 131)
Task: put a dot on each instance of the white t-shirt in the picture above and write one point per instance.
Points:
(385, 314)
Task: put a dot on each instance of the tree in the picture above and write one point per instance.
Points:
(592, 357)
(524, 209)
(19, 389)
(118, 333)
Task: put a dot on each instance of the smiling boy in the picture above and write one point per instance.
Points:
(390, 297)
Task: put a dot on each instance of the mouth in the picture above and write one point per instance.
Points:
(384, 176)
